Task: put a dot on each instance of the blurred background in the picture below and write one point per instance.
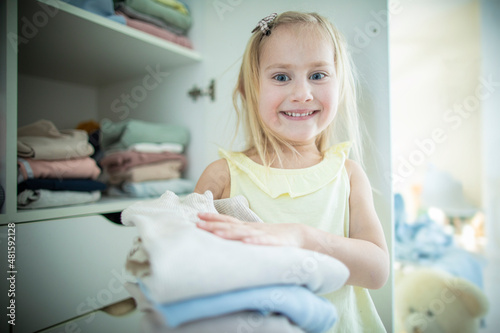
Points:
(445, 112)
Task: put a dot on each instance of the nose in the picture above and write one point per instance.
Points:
(301, 91)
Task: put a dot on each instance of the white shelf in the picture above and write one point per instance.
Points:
(105, 51)
(76, 46)
(103, 206)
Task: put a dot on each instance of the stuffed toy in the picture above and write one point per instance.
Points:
(431, 300)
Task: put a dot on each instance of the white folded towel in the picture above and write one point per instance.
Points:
(188, 262)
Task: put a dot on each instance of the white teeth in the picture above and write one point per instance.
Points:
(293, 114)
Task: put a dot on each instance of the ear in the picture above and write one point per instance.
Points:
(473, 298)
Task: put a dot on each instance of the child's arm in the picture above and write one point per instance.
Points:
(365, 251)
(215, 178)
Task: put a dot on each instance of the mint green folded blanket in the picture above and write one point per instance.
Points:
(123, 134)
(166, 13)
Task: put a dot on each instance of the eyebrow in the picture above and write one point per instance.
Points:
(287, 66)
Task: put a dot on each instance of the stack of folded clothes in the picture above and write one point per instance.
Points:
(166, 19)
(144, 159)
(188, 280)
(55, 167)
(102, 8)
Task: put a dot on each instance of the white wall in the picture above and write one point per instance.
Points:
(71, 99)
(435, 72)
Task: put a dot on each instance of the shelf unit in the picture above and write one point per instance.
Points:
(105, 51)
(61, 42)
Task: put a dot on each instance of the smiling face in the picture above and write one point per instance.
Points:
(298, 93)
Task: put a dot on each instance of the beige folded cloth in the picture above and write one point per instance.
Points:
(123, 160)
(42, 140)
(153, 171)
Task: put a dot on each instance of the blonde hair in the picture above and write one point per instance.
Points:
(346, 124)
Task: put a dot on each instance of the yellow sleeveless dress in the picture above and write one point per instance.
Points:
(317, 196)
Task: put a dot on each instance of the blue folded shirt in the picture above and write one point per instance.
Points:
(100, 7)
(310, 312)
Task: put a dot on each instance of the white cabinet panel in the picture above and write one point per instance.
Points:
(68, 267)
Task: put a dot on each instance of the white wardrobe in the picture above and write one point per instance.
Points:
(75, 66)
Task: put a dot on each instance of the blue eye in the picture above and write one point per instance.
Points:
(317, 76)
(281, 77)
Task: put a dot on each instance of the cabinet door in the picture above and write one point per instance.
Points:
(68, 267)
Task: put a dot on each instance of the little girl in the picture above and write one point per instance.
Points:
(296, 94)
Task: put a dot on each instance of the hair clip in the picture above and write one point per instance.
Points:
(263, 24)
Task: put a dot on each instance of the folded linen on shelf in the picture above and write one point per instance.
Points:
(89, 126)
(100, 7)
(152, 171)
(156, 31)
(84, 167)
(167, 228)
(166, 13)
(42, 128)
(80, 185)
(312, 313)
(146, 147)
(34, 199)
(121, 135)
(152, 188)
(132, 13)
(175, 4)
(120, 161)
(242, 321)
(42, 140)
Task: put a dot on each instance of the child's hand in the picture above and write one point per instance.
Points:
(224, 226)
